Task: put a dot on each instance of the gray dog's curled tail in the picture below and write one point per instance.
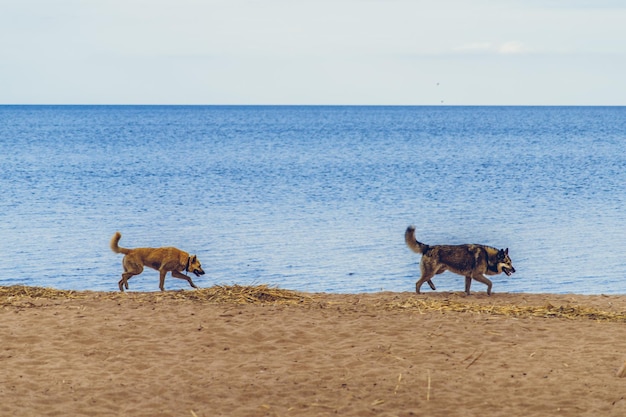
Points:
(115, 244)
(412, 243)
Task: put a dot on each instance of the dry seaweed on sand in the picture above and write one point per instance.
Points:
(233, 294)
(20, 291)
(242, 294)
(509, 310)
(24, 296)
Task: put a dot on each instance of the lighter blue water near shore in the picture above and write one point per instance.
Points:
(313, 198)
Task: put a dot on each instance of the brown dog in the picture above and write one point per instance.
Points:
(472, 261)
(164, 260)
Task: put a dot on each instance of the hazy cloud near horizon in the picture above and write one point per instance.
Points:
(313, 52)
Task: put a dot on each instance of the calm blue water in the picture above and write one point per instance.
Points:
(313, 198)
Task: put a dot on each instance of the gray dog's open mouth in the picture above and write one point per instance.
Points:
(508, 271)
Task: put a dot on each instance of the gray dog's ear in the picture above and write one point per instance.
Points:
(506, 251)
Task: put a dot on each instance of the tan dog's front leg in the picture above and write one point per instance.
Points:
(177, 274)
(162, 273)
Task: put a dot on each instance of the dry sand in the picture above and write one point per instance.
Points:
(254, 351)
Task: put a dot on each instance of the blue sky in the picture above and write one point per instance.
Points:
(398, 52)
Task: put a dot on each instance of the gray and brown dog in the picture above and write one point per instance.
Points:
(470, 260)
(164, 260)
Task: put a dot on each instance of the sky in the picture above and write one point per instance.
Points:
(318, 52)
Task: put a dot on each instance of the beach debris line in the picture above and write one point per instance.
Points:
(510, 310)
(232, 294)
(24, 296)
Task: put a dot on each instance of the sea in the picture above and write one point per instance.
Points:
(313, 198)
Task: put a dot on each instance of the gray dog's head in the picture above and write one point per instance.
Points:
(504, 263)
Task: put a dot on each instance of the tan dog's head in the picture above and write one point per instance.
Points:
(504, 263)
(194, 266)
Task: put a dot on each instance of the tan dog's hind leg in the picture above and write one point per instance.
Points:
(124, 281)
(130, 270)
(180, 275)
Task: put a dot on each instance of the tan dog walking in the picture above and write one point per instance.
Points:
(164, 260)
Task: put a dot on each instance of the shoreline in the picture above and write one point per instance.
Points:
(263, 351)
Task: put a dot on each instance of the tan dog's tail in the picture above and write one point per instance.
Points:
(411, 242)
(114, 244)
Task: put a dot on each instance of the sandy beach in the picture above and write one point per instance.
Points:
(259, 351)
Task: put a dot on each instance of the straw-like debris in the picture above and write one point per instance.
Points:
(510, 310)
(24, 296)
(22, 291)
(240, 294)
(235, 294)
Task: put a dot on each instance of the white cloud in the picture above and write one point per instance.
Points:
(513, 47)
